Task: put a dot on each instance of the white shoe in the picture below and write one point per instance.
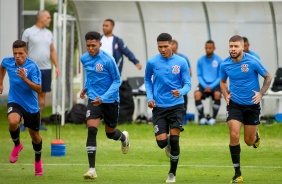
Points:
(203, 121)
(211, 121)
(91, 174)
(170, 178)
(168, 148)
(125, 145)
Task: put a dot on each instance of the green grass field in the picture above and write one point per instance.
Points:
(204, 156)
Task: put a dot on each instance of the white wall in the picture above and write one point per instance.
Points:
(8, 33)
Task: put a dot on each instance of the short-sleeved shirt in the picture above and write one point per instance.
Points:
(19, 91)
(243, 77)
(102, 77)
(39, 42)
(168, 74)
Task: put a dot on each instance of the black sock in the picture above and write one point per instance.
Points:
(235, 156)
(215, 108)
(200, 108)
(91, 146)
(174, 153)
(15, 136)
(37, 150)
(116, 135)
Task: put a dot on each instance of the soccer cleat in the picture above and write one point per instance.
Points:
(256, 144)
(38, 168)
(168, 148)
(211, 121)
(125, 145)
(237, 179)
(203, 121)
(15, 153)
(170, 178)
(91, 174)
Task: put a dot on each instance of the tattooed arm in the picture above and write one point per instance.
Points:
(266, 83)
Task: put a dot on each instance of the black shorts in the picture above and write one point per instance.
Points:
(204, 94)
(46, 80)
(166, 118)
(107, 111)
(246, 114)
(31, 120)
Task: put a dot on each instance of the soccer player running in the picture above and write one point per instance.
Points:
(25, 83)
(243, 98)
(102, 87)
(171, 80)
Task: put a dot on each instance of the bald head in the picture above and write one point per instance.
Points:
(43, 19)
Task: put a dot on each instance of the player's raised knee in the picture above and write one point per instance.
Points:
(162, 143)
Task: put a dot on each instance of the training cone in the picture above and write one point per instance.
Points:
(58, 148)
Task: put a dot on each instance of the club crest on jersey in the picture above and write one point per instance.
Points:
(244, 68)
(99, 67)
(175, 69)
(214, 63)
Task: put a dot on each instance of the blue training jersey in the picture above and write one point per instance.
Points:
(186, 58)
(19, 92)
(253, 54)
(243, 77)
(208, 71)
(163, 75)
(102, 77)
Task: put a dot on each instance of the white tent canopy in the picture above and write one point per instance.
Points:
(191, 23)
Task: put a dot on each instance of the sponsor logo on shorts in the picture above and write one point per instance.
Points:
(87, 113)
(175, 69)
(156, 128)
(227, 114)
(256, 121)
(10, 109)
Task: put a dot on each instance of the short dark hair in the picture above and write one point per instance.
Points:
(245, 39)
(93, 35)
(174, 41)
(110, 20)
(20, 44)
(236, 38)
(210, 41)
(164, 37)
